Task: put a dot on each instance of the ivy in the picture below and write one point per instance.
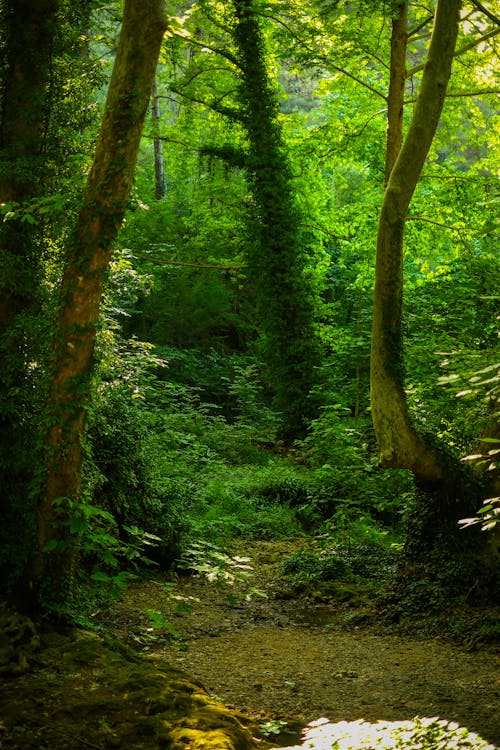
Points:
(276, 259)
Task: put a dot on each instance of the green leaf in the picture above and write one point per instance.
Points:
(50, 546)
(77, 524)
(100, 575)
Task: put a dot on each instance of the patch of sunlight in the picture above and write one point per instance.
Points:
(421, 733)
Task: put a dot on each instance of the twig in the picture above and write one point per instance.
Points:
(187, 264)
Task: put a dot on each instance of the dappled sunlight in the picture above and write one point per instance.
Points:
(420, 732)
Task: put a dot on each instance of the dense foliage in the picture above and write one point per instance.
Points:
(230, 384)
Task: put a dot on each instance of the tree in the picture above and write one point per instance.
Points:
(41, 63)
(29, 31)
(158, 144)
(277, 261)
(88, 253)
(228, 75)
(362, 77)
(450, 490)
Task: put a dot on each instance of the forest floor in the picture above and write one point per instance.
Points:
(286, 661)
(280, 661)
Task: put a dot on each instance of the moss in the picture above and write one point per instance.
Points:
(18, 641)
(197, 740)
(93, 692)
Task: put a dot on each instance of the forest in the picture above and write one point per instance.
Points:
(250, 381)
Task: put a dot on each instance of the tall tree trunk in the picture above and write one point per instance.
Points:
(29, 28)
(396, 94)
(277, 261)
(449, 490)
(399, 444)
(28, 32)
(87, 258)
(158, 144)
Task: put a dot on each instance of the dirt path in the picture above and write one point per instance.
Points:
(279, 659)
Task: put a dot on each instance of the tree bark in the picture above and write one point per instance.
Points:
(399, 444)
(395, 97)
(158, 144)
(87, 258)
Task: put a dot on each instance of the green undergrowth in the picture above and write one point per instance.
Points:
(338, 561)
(350, 571)
(170, 464)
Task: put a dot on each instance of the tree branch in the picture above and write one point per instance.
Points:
(210, 69)
(458, 230)
(355, 78)
(461, 178)
(217, 50)
(479, 92)
(486, 12)
(167, 139)
(458, 52)
(233, 114)
(420, 26)
(458, 94)
(322, 58)
(184, 264)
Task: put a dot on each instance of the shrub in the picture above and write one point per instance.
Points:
(341, 561)
(343, 467)
(121, 471)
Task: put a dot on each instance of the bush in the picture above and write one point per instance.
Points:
(341, 561)
(343, 468)
(121, 471)
(230, 505)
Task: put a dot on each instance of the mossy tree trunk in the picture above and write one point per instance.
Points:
(449, 490)
(277, 262)
(396, 94)
(399, 443)
(87, 259)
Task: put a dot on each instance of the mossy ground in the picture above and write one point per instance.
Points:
(81, 692)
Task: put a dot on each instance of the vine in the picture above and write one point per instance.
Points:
(277, 262)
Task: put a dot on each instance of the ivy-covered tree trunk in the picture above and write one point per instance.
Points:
(28, 31)
(277, 262)
(87, 259)
(27, 42)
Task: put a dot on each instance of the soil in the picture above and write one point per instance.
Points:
(294, 660)
(278, 662)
